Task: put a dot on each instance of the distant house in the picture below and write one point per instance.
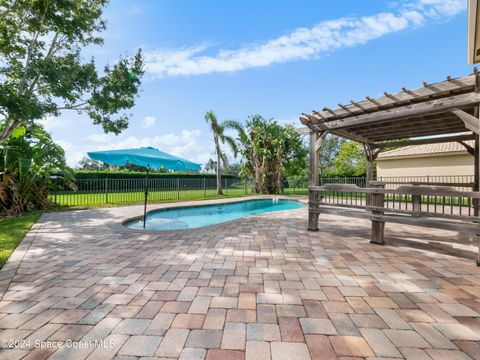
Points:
(444, 159)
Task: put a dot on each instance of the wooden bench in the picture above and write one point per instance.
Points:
(440, 207)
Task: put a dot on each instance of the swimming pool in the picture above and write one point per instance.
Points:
(200, 216)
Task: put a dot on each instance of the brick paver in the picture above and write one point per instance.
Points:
(258, 288)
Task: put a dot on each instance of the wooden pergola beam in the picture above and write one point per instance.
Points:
(446, 88)
(405, 135)
(471, 122)
(354, 103)
(426, 120)
(408, 126)
(419, 109)
(345, 108)
(351, 136)
(470, 149)
(439, 140)
(386, 131)
(408, 91)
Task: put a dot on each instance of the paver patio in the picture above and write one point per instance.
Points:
(258, 288)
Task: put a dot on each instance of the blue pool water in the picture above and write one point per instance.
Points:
(201, 216)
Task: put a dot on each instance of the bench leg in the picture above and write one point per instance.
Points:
(378, 230)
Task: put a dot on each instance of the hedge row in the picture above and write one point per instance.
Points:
(87, 174)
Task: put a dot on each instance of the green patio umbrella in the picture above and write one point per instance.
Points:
(147, 157)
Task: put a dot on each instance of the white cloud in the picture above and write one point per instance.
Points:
(288, 120)
(98, 137)
(437, 8)
(301, 44)
(148, 122)
(185, 144)
(54, 123)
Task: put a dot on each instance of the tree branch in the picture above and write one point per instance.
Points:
(11, 125)
(9, 10)
(33, 43)
(8, 129)
(73, 107)
(50, 52)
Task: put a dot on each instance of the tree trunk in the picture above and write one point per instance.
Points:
(219, 176)
(7, 131)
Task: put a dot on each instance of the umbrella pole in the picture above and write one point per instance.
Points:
(146, 198)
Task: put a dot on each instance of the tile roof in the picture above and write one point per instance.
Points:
(425, 150)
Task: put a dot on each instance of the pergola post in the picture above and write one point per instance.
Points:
(378, 226)
(476, 154)
(476, 166)
(315, 143)
(371, 156)
(430, 114)
(476, 175)
(476, 186)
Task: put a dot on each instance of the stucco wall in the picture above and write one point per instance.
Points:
(460, 164)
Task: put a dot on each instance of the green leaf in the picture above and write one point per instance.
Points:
(44, 77)
(18, 132)
(132, 75)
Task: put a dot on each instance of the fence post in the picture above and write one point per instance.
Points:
(416, 203)
(378, 227)
(106, 190)
(225, 186)
(55, 191)
(178, 188)
(204, 187)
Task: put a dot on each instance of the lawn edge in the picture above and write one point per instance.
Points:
(9, 269)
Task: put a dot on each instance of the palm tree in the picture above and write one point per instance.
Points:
(211, 165)
(219, 137)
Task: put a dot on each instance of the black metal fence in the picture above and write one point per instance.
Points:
(98, 192)
(90, 192)
(459, 182)
(443, 201)
(298, 186)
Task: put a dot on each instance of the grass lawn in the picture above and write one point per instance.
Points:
(12, 231)
(97, 199)
(295, 191)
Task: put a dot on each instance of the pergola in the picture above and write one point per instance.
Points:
(445, 111)
(442, 111)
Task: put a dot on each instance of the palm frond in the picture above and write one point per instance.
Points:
(232, 144)
(210, 117)
(224, 159)
(235, 125)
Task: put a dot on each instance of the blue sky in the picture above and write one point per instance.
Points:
(277, 58)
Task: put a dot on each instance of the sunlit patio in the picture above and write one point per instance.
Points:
(258, 288)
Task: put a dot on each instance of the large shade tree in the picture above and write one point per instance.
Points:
(271, 152)
(350, 160)
(220, 138)
(42, 71)
(341, 158)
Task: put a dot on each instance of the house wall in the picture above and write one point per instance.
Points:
(456, 164)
